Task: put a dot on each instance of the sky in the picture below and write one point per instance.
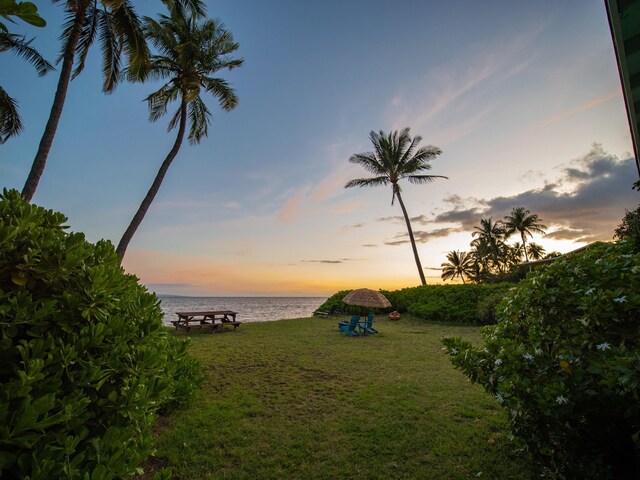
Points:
(523, 98)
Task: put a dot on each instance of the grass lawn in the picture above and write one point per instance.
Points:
(296, 400)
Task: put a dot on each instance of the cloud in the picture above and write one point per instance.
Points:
(448, 91)
(369, 245)
(580, 108)
(342, 260)
(423, 236)
(292, 209)
(233, 205)
(584, 203)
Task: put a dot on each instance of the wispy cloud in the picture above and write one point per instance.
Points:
(342, 260)
(451, 90)
(423, 236)
(580, 108)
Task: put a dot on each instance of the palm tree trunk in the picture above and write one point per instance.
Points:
(413, 241)
(524, 246)
(46, 141)
(155, 186)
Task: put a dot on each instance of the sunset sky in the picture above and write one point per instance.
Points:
(523, 98)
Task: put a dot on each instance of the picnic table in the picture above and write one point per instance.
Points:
(214, 320)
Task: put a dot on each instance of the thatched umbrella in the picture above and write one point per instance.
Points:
(365, 297)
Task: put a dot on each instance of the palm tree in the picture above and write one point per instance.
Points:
(394, 158)
(490, 240)
(118, 27)
(460, 264)
(523, 221)
(10, 122)
(535, 251)
(189, 53)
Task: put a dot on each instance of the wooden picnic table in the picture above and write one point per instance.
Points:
(210, 319)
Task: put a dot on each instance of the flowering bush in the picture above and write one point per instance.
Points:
(564, 359)
(85, 362)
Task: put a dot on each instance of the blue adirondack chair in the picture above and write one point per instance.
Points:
(367, 326)
(350, 328)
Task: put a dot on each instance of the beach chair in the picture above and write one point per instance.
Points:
(350, 328)
(367, 327)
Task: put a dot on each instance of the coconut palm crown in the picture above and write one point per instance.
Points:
(189, 53)
(118, 29)
(459, 264)
(10, 121)
(396, 156)
(526, 223)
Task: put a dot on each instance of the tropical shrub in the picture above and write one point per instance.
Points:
(85, 363)
(443, 303)
(564, 359)
(629, 228)
(455, 303)
(486, 312)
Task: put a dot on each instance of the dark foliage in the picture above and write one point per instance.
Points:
(85, 363)
(564, 359)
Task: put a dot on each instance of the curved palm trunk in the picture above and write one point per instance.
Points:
(413, 241)
(155, 186)
(524, 246)
(46, 141)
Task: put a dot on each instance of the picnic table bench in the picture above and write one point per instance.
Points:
(211, 319)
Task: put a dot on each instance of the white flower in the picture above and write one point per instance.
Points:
(499, 398)
(561, 400)
(590, 291)
(603, 346)
(454, 351)
(498, 361)
(620, 299)
(527, 356)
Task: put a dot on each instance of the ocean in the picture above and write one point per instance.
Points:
(250, 309)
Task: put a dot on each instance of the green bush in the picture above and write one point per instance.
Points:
(85, 362)
(564, 359)
(441, 303)
(486, 312)
(455, 303)
(629, 228)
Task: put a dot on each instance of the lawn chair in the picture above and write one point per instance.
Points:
(349, 328)
(367, 327)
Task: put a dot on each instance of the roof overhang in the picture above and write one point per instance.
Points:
(624, 21)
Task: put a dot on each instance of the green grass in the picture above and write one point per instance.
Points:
(296, 400)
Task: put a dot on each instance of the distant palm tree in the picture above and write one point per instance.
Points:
(394, 158)
(189, 53)
(116, 24)
(459, 264)
(10, 122)
(490, 240)
(535, 251)
(527, 223)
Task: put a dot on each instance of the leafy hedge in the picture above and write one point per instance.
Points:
(564, 359)
(85, 362)
(469, 304)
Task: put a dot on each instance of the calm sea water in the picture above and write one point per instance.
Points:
(250, 309)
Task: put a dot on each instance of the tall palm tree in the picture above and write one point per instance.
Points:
(527, 223)
(189, 53)
(394, 158)
(10, 121)
(459, 264)
(535, 251)
(490, 240)
(118, 27)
